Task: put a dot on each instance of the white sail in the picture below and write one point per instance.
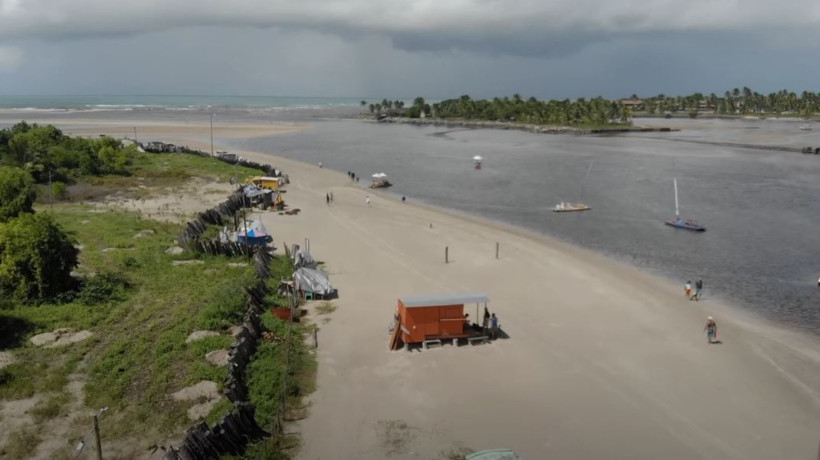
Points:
(676, 197)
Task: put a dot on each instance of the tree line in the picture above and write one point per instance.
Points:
(44, 150)
(581, 112)
(738, 101)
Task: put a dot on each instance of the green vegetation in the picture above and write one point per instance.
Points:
(735, 102)
(21, 443)
(17, 192)
(36, 258)
(598, 112)
(267, 380)
(138, 353)
(139, 306)
(48, 154)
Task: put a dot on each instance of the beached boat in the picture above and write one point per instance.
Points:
(806, 128)
(677, 222)
(569, 207)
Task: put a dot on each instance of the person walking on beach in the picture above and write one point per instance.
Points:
(698, 289)
(331, 197)
(711, 330)
(367, 200)
(403, 199)
(687, 289)
(494, 326)
(327, 198)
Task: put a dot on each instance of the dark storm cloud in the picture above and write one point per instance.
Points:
(521, 27)
(405, 48)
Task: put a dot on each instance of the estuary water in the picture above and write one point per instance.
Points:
(761, 208)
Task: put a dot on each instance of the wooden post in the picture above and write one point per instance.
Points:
(97, 438)
(446, 254)
(496, 249)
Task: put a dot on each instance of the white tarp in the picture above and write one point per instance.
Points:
(303, 258)
(312, 280)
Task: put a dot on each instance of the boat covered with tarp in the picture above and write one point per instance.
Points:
(313, 280)
(380, 181)
(254, 233)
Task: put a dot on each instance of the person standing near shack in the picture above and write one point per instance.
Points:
(485, 325)
(494, 326)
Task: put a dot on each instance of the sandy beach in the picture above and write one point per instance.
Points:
(602, 360)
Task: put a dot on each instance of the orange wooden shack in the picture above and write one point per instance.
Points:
(431, 317)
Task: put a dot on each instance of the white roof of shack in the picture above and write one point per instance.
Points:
(430, 300)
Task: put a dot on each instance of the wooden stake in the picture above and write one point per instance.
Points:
(97, 438)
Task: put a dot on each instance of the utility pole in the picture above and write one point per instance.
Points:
(212, 129)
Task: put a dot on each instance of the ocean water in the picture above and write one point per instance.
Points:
(172, 103)
(761, 247)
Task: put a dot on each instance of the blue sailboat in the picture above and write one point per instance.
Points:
(677, 222)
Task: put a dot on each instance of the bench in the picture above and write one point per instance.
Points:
(475, 340)
(432, 342)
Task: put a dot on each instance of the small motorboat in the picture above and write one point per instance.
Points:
(685, 224)
(805, 128)
(477, 161)
(570, 207)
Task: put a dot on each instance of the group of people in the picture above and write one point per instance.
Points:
(689, 293)
(489, 325)
(694, 294)
(352, 176)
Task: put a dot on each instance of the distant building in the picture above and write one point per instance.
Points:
(633, 104)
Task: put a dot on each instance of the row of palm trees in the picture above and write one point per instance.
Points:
(737, 101)
(587, 112)
(596, 111)
(384, 105)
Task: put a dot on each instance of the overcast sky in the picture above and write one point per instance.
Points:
(405, 48)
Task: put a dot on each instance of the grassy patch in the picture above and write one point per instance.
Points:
(160, 169)
(140, 312)
(140, 309)
(49, 408)
(21, 443)
(269, 384)
(325, 308)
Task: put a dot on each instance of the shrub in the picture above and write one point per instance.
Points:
(36, 258)
(104, 287)
(17, 192)
(59, 190)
